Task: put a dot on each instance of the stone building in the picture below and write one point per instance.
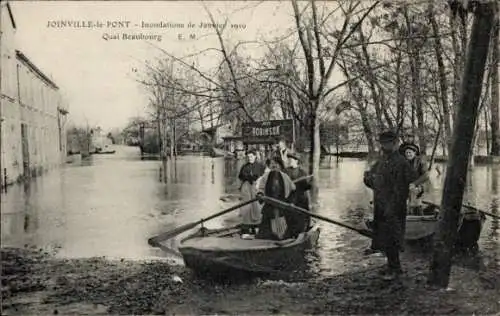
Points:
(32, 111)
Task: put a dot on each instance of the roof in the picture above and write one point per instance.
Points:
(32, 66)
(9, 10)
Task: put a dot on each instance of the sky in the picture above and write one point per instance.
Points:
(96, 72)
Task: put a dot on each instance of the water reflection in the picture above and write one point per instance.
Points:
(109, 205)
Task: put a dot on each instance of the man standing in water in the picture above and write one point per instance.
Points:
(390, 178)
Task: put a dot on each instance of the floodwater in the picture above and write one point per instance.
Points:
(110, 205)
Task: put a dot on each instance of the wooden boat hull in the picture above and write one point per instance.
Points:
(222, 251)
(105, 152)
(420, 227)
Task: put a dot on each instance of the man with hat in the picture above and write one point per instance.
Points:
(389, 178)
(281, 152)
(298, 223)
(411, 154)
(408, 140)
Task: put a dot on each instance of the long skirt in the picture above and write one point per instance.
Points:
(251, 213)
(297, 222)
(268, 213)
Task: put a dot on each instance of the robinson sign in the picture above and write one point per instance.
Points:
(268, 131)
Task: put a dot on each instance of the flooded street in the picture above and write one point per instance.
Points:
(111, 204)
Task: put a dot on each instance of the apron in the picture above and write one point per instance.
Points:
(251, 213)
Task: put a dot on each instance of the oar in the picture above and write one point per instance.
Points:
(303, 211)
(154, 241)
(471, 207)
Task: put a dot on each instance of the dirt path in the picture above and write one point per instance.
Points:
(36, 283)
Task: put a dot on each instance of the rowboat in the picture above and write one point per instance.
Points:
(424, 225)
(219, 251)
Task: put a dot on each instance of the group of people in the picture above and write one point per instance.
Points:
(274, 178)
(397, 180)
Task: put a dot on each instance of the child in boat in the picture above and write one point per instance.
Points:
(249, 173)
(298, 223)
(411, 153)
(278, 185)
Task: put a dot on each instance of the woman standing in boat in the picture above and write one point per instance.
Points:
(278, 185)
(411, 153)
(298, 223)
(249, 173)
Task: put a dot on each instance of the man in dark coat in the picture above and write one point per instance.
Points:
(298, 223)
(389, 178)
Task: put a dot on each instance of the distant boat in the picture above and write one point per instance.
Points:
(217, 152)
(105, 150)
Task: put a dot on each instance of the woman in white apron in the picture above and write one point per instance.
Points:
(251, 213)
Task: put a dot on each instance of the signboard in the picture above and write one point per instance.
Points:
(268, 131)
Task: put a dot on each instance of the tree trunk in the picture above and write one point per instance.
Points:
(367, 129)
(315, 155)
(443, 80)
(486, 131)
(172, 139)
(463, 132)
(457, 61)
(495, 86)
(417, 97)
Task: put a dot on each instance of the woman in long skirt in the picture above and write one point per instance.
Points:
(278, 185)
(251, 213)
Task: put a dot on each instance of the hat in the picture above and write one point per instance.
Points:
(387, 136)
(411, 146)
(294, 155)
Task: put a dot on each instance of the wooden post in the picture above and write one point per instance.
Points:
(461, 148)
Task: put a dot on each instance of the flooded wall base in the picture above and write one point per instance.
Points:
(36, 171)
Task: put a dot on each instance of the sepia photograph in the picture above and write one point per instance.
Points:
(278, 157)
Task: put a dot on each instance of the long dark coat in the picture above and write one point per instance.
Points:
(389, 178)
(298, 223)
(277, 185)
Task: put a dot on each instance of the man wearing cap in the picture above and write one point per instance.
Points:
(408, 140)
(298, 223)
(411, 153)
(389, 178)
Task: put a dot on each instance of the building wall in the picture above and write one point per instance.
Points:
(30, 98)
(9, 110)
